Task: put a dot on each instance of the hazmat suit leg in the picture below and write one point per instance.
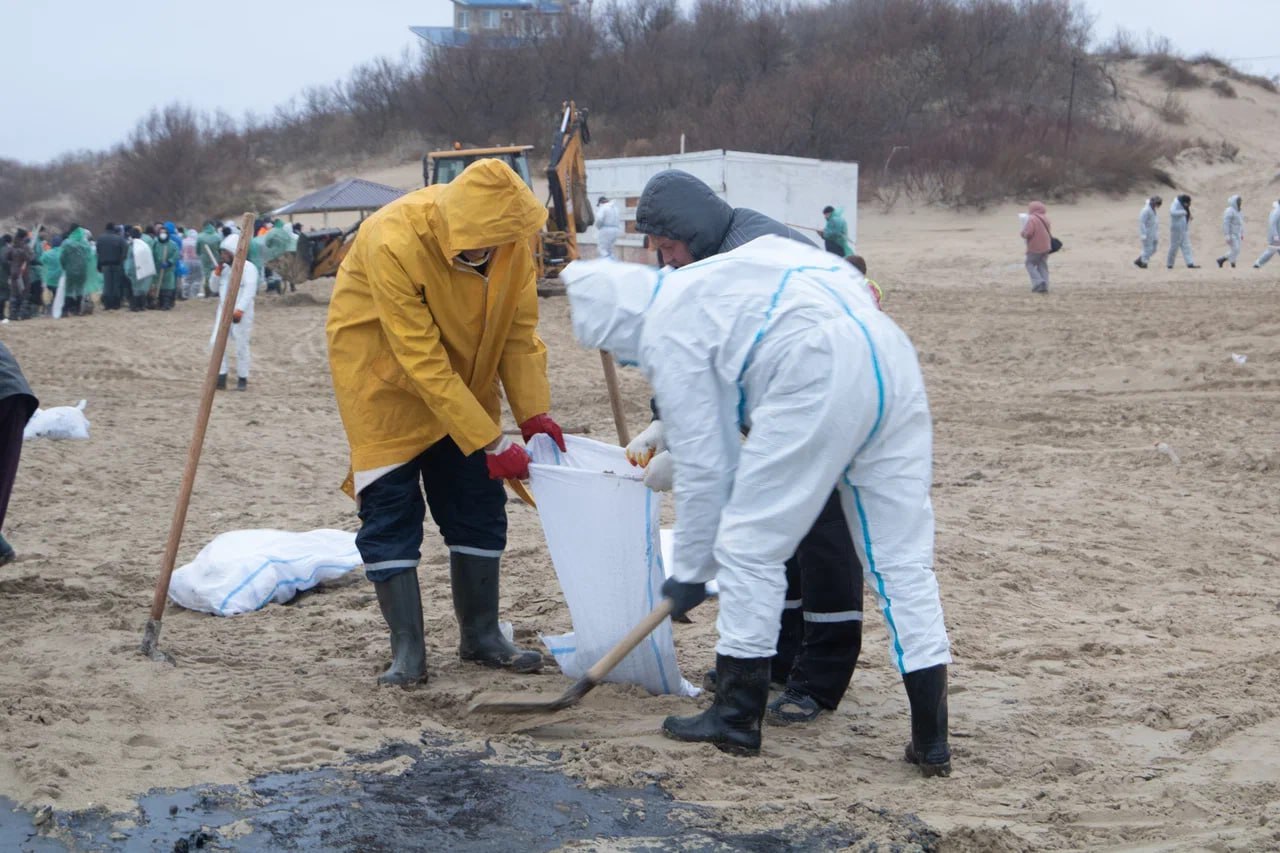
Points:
(1180, 239)
(240, 335)
(1149, 247)
(606, 237)
(1267, 254)
(1233, 250)
(791, 459)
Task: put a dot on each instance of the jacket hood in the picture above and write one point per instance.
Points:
(1036, 207)
(1234, 201)
(608, 301)
(487, 205)
(676, 205)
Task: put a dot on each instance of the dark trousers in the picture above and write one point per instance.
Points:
(821, 634)
(469, 509)
(114, 286)
(14, 413)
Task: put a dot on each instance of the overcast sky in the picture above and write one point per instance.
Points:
(87, 75)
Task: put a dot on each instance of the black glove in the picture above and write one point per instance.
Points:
(685, 596)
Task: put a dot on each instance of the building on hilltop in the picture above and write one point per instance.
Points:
(499, 23)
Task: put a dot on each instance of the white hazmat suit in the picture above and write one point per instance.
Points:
(787, 342)
(1273, 236)
(241, 332)
(608, 228)
(1232, 231)
(1148, 232)
(1179, 233)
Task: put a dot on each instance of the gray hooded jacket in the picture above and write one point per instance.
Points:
(679, 206)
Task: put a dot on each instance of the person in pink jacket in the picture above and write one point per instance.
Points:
(1036, 232)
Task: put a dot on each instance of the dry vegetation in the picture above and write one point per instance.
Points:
(962, 103)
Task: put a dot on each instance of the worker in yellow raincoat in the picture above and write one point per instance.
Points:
(434, 305)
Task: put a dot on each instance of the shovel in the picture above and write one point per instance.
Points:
(521, 703)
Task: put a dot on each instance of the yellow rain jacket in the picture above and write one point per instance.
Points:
(418, 340)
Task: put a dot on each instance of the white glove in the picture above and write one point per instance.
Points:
(660, 473)
(643, 447)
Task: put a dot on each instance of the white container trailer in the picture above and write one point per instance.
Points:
(793, 190)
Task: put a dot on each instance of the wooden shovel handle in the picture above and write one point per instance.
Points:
(615, 398)
(627, 644)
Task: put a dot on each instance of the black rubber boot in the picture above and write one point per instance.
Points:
(222, 382)
(242, 384)
(475, 603)
(733, 721)
(401, 602)
(927, 694)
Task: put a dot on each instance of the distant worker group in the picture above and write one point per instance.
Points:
(1233, 232)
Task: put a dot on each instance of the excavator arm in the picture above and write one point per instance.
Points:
(569, 210)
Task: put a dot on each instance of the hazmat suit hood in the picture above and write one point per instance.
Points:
(487, 205)
(1234, 201)
(676, 205)
(608, 300)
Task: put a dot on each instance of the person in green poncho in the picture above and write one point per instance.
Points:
(52, 262)
(207, 243)
(166, 253)
(835, 234)
(77, 260)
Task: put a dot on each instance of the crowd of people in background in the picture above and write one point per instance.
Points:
(57, 274)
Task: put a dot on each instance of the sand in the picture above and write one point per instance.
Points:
(1113, 613)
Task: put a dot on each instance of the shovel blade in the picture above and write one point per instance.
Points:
(523, 703)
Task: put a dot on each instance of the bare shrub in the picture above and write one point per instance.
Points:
(1230, 71)
(1174, 71)
(1121, 46)
(1173, 110)
(1223, 88)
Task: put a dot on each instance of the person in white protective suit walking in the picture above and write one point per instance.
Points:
(729, 344)
(1148, 230)
(1232, 230)
(242, 318)
(1180, 231)
(1273, 236)
(608, 227)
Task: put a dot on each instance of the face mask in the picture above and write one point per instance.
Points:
(478, 263)
(164, 237)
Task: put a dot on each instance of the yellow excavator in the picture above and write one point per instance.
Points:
(569, 210)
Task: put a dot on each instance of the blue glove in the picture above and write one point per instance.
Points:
(685, 596)
(168, 264)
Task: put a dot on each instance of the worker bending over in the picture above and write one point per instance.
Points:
(821, 632)
(785, 342)
(434, 305)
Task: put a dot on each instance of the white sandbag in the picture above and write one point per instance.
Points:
(601, 525)
(243, 570)
(58, 423)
